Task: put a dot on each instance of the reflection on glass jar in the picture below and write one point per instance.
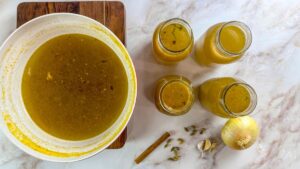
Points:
(227, 97)
(174, 95)
(172, 41)
(223, 43)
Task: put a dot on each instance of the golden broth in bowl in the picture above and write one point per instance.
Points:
(15, 119)
(74, 87)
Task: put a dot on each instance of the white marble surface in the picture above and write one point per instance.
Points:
(272, 67)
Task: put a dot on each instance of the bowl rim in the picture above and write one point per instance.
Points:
(35, 153)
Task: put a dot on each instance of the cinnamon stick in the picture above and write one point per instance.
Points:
(152, 147)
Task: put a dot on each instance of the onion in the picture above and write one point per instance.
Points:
(240, 133)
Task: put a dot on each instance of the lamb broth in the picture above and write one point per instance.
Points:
(74, 87)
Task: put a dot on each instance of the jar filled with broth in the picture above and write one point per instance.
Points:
(174, 95)
(223, 43)
(172, 41)
(227, 97)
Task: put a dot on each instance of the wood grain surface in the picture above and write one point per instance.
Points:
(109, 13)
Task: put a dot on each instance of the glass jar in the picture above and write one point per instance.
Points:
(172, 41)
(174, 95)
(227, 97)
(223, 43)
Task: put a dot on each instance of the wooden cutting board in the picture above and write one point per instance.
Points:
(109, 13)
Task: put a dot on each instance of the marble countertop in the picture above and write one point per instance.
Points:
(271, 66)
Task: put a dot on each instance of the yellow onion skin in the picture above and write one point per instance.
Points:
(240, 133)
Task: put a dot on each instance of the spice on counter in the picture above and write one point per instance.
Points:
(207, 145)
(213, 146)
(176, 154)
(175, 149)
(168, 143)
(152, 147)
(202, 130)
(192, 130)
(175, 158)
(204, 146)
(180, 140)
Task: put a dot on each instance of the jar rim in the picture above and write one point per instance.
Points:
(249, 109)
(183, 23)
(187, 107)
(246, 30)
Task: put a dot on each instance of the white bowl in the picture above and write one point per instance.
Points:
(15, 121)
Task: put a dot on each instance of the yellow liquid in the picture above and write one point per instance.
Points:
(232, 39)
(237, 98)
(175, 37)
(175, 43)
(173, 95)
(74, 87)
